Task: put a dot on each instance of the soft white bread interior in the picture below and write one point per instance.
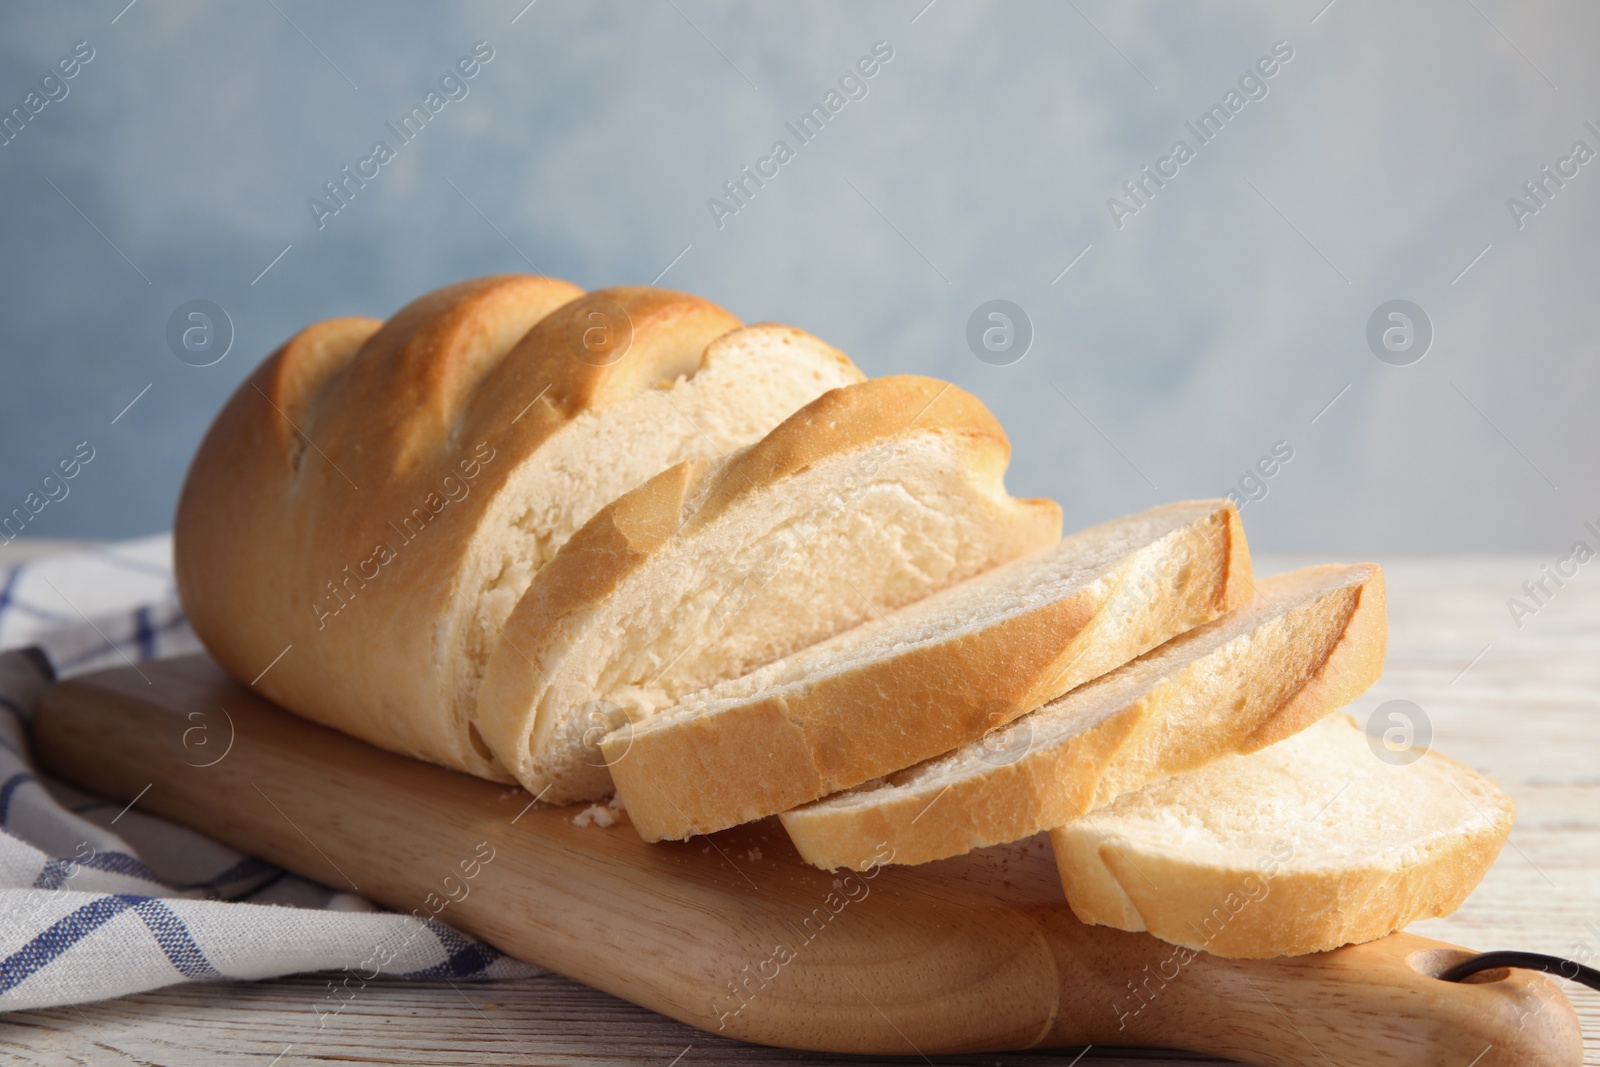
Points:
(1308, 642)
(1309, 844)
(871, 497)
(375, 498)
(749, 380)
(931, 676)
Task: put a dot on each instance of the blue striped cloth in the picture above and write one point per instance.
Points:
(98, 900)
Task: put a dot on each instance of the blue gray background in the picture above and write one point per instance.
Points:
(1223, 318)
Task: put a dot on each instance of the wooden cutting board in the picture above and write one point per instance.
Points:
(735, 935)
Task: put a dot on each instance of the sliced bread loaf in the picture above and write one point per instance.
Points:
(1309, 844)
(871, 497)
(375, 497)
(1309, 642)
(932, 676)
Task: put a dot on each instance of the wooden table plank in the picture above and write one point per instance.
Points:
(1527, 711)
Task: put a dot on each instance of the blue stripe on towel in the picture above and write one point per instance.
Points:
(463, 958)
(132, 867)
(12, 784)
(11, 583)
(60, 936)
(174, 938)
(144, 634)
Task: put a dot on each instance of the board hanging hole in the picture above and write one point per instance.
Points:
(1489, 963)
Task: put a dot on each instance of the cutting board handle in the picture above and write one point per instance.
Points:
(1380, 1004)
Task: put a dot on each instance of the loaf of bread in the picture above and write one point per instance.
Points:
(375, 499)
(931, 676)
(1304, 846)
(618, 541)
(869, 498)
(1309, 641)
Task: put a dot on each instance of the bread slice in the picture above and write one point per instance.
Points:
(376, 497)
(871, 497)
(932, 676)
(1309, 642)
(1304, 846)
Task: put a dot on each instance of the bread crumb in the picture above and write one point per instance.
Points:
(753, 855)
(595, 815)
(604, 815)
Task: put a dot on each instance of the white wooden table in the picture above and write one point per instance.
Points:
(1523, 706)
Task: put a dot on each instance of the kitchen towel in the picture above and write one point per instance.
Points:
(98, 899)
